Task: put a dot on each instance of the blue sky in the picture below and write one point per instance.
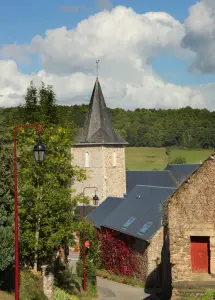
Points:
(21, 21)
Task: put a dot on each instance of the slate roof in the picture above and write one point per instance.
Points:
(182, 171)
(146, 192)
(103, 210)
(144, 203)
(151, 178)
(87, 210)
(98, 127)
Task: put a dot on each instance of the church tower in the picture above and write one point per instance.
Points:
(100, 150)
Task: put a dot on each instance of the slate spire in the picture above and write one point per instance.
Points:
(98, 127)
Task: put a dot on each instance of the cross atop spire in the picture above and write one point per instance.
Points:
(98, 127)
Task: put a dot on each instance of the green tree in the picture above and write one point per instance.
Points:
(30, 112)
(6, 200)
(47, 103)
(46, 204)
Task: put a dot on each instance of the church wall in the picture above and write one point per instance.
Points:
(95, 171)
(114, 168)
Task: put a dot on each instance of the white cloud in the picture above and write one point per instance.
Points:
(125, 43)
(200, 35)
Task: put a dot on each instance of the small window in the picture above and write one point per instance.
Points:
(128, 223)
(87, 160)
(145, 227)
(114, 159)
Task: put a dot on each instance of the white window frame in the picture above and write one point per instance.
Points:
(114, 159)
(87, 161)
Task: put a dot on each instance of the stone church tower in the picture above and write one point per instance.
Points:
(100, 150)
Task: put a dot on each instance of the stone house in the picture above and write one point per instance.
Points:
(140, 215)
(190, 220)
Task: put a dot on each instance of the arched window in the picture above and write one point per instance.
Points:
(87, 160)
(114, 159)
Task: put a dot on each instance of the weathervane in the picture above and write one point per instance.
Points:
(97, 67)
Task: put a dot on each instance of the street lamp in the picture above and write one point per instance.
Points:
(39, 154)
(39, 151)
(96, 199)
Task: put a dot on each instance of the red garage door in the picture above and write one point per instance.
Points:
(200, 254)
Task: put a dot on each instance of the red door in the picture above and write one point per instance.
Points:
(200, 254)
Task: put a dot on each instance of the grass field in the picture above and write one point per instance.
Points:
(146, 158)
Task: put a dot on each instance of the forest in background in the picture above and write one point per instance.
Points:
(185, 127)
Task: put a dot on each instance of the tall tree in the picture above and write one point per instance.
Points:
(46, 204)
(6, 200)
(47, 102)
(30, 112)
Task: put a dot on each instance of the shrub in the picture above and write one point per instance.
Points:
(178, 160)
(91, 272)
(116, 253)
(209, 295)
(31, 286)
(62, 295)
(65, 279)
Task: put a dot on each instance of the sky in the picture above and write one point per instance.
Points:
(152, 53)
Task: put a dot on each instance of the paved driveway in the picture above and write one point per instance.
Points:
(112, 290)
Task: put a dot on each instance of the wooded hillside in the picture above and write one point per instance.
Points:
(186, 127)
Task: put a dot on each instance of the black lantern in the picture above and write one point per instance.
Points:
(95, 200)
(39, 151)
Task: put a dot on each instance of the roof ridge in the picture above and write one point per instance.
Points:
(156, 186)
(147, 170)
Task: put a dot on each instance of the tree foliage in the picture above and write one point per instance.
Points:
(185, 127)
(46, 204)
(46, 201)
(6, 200)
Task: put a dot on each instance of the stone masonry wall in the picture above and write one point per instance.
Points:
(101, 173)
(115, 181)
(95, 172)
(148, 257)
(191, 212)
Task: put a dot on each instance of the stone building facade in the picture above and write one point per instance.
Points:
(100, 151)
(148, 257)
(191, 229)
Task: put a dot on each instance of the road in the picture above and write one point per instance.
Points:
(112, 290)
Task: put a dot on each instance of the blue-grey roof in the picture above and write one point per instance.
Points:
(144, 203)
(152, 178)
(182, 171)
(146, 192)
(87, 210)
(103, 210)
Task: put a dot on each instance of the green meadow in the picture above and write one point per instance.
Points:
(147, 158)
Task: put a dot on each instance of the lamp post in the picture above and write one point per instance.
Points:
(39, 154)
(95, 199)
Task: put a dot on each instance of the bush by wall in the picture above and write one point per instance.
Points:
(31, 286)
(62, 295)
(91, 272)
(65, 279)
(116, 253)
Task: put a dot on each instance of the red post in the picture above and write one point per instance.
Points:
(84, 255)
(16, 210)
(84, 246)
